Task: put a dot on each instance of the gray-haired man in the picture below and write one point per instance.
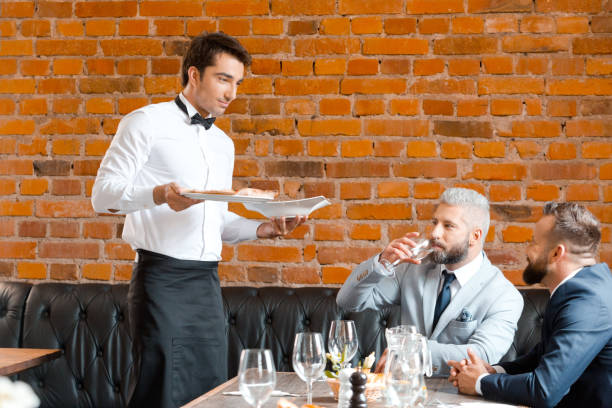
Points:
(455, 296)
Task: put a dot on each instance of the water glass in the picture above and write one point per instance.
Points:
(309, 358)
(342, 339)
(421, 250)
(395, 335)
(403, 378)
(256, 376)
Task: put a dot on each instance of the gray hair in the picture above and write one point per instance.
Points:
(472, 200)
(575, 225)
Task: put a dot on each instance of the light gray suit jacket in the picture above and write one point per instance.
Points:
(490, 302)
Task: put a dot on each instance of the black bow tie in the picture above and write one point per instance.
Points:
(196, 119)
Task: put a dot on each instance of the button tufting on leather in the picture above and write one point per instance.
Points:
(269, 320)
(45, 313)
(116, 388)
(232, 321)
(41, 383)
(83, 315)
(306, 322)
(286, 360)
(120, 317)
(384, 323)
(79, 385)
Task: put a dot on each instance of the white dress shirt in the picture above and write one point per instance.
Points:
(499, 369)
(157, 145)
(462, 275)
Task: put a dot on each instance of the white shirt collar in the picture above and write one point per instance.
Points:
(190, 109)
(465, 273)
(568, 277)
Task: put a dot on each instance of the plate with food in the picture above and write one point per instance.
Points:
(245, 195)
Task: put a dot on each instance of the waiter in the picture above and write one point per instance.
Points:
(175, 305)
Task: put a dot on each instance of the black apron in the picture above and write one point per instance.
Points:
(178, 329)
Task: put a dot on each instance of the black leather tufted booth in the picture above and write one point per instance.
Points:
(89, 323)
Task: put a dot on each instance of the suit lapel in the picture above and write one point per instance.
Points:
(430, 294)
(462, 297)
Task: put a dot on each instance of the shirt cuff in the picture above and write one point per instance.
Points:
(248, 232)
(499, 369)
(477, 386)
(141, 197)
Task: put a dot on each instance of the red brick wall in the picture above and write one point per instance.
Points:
(378, 105)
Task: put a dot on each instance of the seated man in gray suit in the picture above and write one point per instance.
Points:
(455, 296)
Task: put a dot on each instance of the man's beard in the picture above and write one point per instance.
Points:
(535, 271)
(452, 255)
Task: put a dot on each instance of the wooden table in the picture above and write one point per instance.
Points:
(14, 360)
(440, 394)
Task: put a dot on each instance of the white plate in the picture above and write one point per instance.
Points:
(288, 208)
(227, 197)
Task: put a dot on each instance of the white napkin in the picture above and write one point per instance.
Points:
(288, 208)
(275, 393)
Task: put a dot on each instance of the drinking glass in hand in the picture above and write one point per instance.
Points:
(419, 252)
(343, 339)
(309, 358)
(256, 376)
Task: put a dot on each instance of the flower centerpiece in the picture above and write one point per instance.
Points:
(373, 385)
(17, 394)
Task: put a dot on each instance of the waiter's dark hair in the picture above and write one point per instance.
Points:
(203, 51)
(575, 225)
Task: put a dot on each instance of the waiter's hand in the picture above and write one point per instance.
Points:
(171, 194)
(279, 226)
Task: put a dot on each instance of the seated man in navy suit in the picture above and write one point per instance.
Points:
(572, 365)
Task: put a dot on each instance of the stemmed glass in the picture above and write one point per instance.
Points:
(256, 376)
(309, 358)
(342, 339)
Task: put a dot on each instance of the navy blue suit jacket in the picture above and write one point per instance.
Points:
(572, 365)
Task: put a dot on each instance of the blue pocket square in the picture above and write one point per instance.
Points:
(465, 316)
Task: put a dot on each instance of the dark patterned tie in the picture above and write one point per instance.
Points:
(196, 119)
(443, 297)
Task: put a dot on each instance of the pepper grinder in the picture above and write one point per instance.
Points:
(358, 384)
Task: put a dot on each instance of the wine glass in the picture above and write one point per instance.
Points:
(256, 376)
(342, 340)
(309, 358)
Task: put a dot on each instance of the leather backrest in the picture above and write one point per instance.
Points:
(529, 331)
(12, 303)
(89, 323)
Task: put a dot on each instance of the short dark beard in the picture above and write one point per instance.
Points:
(453, 255)
(535, 271)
